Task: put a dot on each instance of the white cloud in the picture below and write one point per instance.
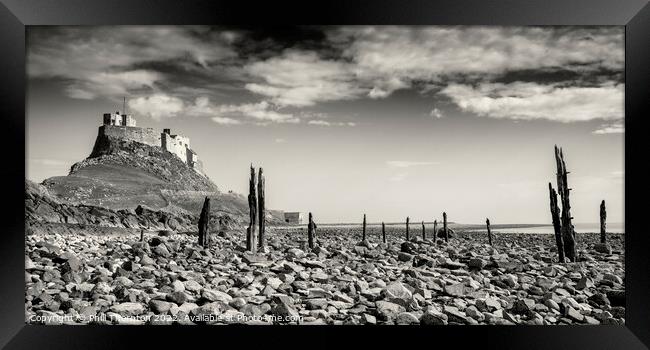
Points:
(327, 123)
(384, 87)
(614, 128)
(100, 61)
(157, 106)
(380, 60)
(225, 121)
(262, 112)
(280, 140)
(319, 122)
(529, 101)
(301, 78)
(407, 164)
(386, 55)
(374, 63)
(436, 113)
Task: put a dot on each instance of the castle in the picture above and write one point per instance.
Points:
(123, 126)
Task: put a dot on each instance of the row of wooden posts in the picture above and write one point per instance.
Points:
(408, 236)
(560, 214)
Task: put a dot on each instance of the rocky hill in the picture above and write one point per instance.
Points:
(126, 184)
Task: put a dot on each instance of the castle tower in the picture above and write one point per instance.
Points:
(117, 119)
(128, 120)
(114, 119)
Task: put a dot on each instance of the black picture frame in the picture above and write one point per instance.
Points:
(16, 14)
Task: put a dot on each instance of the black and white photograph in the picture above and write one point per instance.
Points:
(325, 175)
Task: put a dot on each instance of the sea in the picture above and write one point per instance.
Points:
(580, 228)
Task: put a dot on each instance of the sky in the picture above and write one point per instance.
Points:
(390, 121)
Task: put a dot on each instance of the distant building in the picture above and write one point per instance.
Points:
(293, 217)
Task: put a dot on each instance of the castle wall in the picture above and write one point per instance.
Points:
(193, 161)
(143, 135)
(175, 144)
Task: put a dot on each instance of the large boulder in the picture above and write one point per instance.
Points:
(397, 293)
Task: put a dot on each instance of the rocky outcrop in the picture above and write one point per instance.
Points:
(42, 207)
(173, 172)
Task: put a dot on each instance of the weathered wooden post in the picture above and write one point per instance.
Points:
(363, 237)
(407, 228)
(383, 232)
(142, 235)
(568, 232)
(603, 217)
(262, 209)
(444, 226)
(557, 227)
(310, 232)
(435, 229)
(252, 206)
(487, 222)
(204, 223)
(424, 235)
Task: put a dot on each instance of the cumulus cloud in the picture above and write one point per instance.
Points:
(103, 61)
(302, 78)
(530, 101)
(157, 106)
(376, 61)
(226, 121)
(160, 106)
(262, 112)
(407, 164)
(460, 62)
(613, 128)
(436, 113)
(387, 55)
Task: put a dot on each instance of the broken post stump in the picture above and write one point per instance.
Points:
(204, 223)
(603, 217)
(424, 235)
(252, 207)
(555, 216)
(262, 210)
(363, 235)
(407, 228)
(487, 223)
(310, 232)
(142, 235)
(435, 229)
(568, 232)
(383, 232)
(444, 226)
